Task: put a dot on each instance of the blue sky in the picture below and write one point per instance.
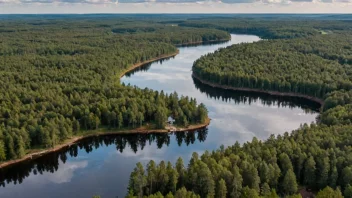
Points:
(175, 6)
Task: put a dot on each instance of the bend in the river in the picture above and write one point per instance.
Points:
(102, 165)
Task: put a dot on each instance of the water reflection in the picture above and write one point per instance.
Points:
(245, 97)
(209, 43)
(50, 163)
(103, 165)
(146, 67)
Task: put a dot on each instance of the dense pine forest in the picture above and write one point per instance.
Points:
(310, 57)
(314, 66)
(59, 78)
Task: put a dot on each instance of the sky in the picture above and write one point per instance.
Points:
(174, 6)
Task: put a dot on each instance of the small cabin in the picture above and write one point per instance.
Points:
(170, 120)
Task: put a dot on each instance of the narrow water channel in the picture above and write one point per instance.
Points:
(102, 165)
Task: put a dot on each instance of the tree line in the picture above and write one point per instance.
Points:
(314, 156)
(312, 159)
(17, 173)
(245, 97)
(278, 27)
(311, 66)
(59, 78)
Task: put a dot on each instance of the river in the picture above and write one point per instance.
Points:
(102, 165)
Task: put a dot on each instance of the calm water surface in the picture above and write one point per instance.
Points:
(102, 165)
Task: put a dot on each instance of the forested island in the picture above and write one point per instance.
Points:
(307, 57)
(59, 79)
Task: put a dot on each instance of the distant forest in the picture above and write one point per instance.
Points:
(304, 55)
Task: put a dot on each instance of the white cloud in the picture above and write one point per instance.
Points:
(8, 1)
(239, 1)
(166, 3)
(63, 175)
(173, 6)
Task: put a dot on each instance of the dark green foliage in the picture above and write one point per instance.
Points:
(309, 172)
(260, 167)
(183, 193)
(337, 108)
(249, 193)
(289, 184)
(329, 193)
(318, 156)
(348, 191)
(138, 180)
(337, 115)
(271, 28)
(60, 78)
(2, 151)
(312, 66)
(337, 98)
(171, 34)
(221, 189)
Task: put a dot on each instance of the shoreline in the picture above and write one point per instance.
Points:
(164, 56)
(35, 153)
(74, 140)
(201, 42)
(273, 93)
(140, 64)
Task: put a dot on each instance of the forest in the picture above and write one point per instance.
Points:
(310, 57)
(312, 66)
(59, 78)
(279, 27)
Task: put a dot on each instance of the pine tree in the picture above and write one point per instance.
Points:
(333, 177)
(10, 147)
(20, 149)
(138, 180)
(2, 151)
(221, 189)
(151, 176)
(265, 189)
(347, 175)
(289, 184)
(348, 191)
(181, 172)
(119, 120)
(329, 193)
(309, 172)
(324, 167)
(173, 177)
(249, 193)
(160, 118)
(236, 185)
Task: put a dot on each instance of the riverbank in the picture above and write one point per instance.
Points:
(201, 42)
(140, 64)
(33, 154)
(164, 56)
(273, 93)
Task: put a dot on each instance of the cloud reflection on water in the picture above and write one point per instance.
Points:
(236, 117)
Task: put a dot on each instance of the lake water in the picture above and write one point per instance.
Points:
(102, 165)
